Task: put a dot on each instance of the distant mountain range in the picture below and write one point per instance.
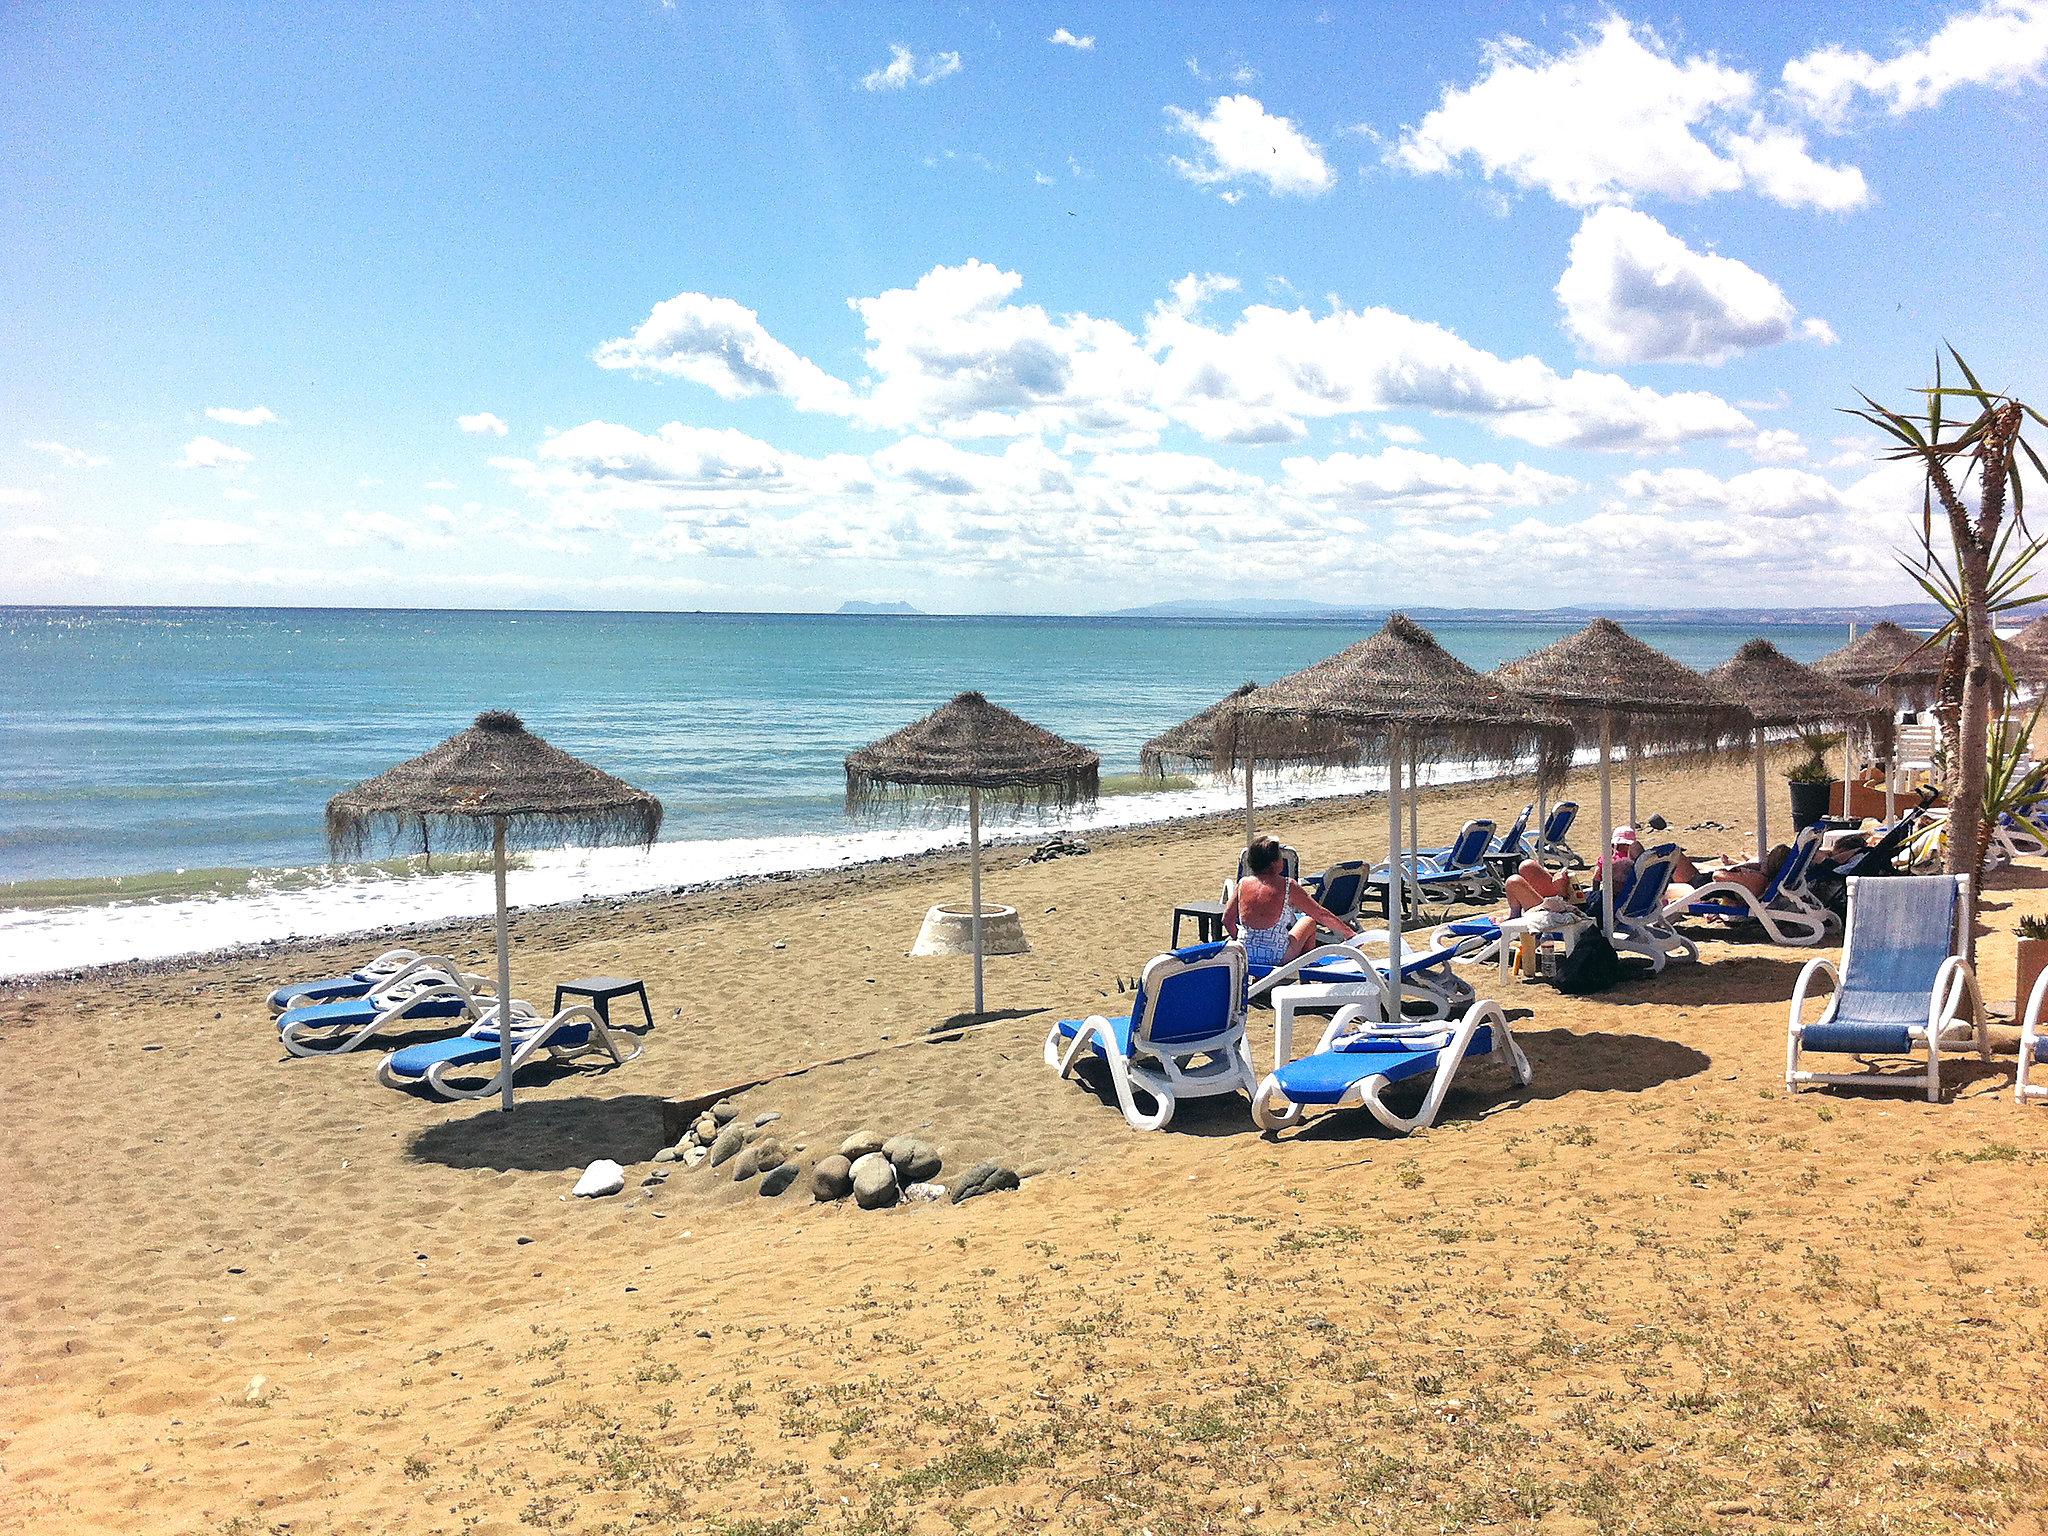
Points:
(855, 605)
(1911, 615)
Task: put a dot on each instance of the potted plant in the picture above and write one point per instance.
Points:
(2033, 945)
(1811, 780)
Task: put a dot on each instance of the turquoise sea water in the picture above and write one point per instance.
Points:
(143, 740)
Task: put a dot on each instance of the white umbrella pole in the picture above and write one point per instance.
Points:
(1414, 800)
(1394, 881)
(974, 886)
(1891, 764)
(1607, 824)
(1632, 785)
(504, 964)
(1763, 836)
(1250, 822)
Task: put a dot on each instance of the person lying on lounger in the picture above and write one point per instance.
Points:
(1534, 885)
(1753, 875)
(1276, 917)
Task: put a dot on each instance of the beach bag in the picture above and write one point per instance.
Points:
(1591, 966)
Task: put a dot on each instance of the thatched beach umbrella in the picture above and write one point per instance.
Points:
(1395, 694)
(1778, 691)
(1192, 744)
(981, 748)
(497, 775)
(1899, 667)
(1605, 678)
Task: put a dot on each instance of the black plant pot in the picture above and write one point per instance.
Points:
(1809, 803)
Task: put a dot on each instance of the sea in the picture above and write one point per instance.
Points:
(163, 771)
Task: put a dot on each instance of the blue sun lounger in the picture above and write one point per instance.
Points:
(1182, 1039)
(414, 995)
(576, 1031)
(1359, 1059)
(385, 968)
(1903, 984)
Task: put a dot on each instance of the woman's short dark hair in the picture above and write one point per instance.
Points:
(1262, 855)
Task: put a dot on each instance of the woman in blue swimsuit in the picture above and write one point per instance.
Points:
(1275, 917)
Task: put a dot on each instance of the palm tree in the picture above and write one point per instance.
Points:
(1980, 576)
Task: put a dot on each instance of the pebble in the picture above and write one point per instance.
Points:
(705, 1128)
(767, 1117)
(668, 1155)
(874, 1182)
(728, 1145)
(258, 1390)
(692, 1156)
(757, 1159)
(723, 1111)
(860, 1144)
(832, 1179)
(916, 1161)
(779, 1178)
(603, 1177)
(984, 1179)
(924, 1191)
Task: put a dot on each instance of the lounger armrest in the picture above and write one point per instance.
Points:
(1807, 973)
(2030, 1021)
(1955, 982)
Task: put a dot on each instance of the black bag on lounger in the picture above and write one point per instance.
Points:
(1591, 965)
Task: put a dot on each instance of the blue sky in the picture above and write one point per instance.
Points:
(1017, 309)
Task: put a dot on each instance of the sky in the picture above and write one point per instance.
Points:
(1013, 309)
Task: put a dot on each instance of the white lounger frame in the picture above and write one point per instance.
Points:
(384, 968)
(1161, 1069)
(2024, 1089)
(530, 1038)
(423, 979)
(1794, 916)
(1273, 1111)
(1954, 985)
(1441, 995)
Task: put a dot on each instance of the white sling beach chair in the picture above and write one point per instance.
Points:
(421, 992)
(1182, 1039)
(1788, 910)
(1360, 1058)
(578, 1030)
(1903, 984)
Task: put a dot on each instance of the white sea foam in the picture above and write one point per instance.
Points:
(34, 942)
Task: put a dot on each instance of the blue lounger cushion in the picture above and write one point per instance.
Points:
(1857, 1039)
(352, 1012)
(464, 1050)
(1327, 1076)
(1119, 1027)
(326, 990)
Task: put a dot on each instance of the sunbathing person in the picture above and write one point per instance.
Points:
(1534, 885)
(1276, 917)
(1753, 875)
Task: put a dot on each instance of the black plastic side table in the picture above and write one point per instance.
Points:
(600, 990)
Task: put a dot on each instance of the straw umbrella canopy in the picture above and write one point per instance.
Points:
(1901, 668)
(1393, 698)
(982, 749)
(495, 778)
(1778, 691)
(1603, 676)
(1192, 744)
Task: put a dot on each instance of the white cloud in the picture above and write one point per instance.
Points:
(1400, 432)
(212, 453)
(19, 496)
(1247, 143)
(1404, 477)
(1778, 446)
(722, 345)
(203, 532)
(1633, 292)
(2002, 44)
(906, 69)
(1066, 39)
(1771, 493)
(34, 533)
(482, 424)
(1615, 117)
(353, 530)
(440, 485)
(956, 355)
(69, 457)
(254, 416)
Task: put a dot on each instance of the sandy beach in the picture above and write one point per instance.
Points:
(242, 1294)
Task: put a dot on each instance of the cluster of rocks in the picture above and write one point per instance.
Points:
(876, 1171)
(1059, 846)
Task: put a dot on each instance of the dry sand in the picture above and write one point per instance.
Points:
(1653, 1294)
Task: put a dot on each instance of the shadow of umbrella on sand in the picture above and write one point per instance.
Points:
(495, 778)
(1604, 677)
(1778, 691)
(970, 749)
